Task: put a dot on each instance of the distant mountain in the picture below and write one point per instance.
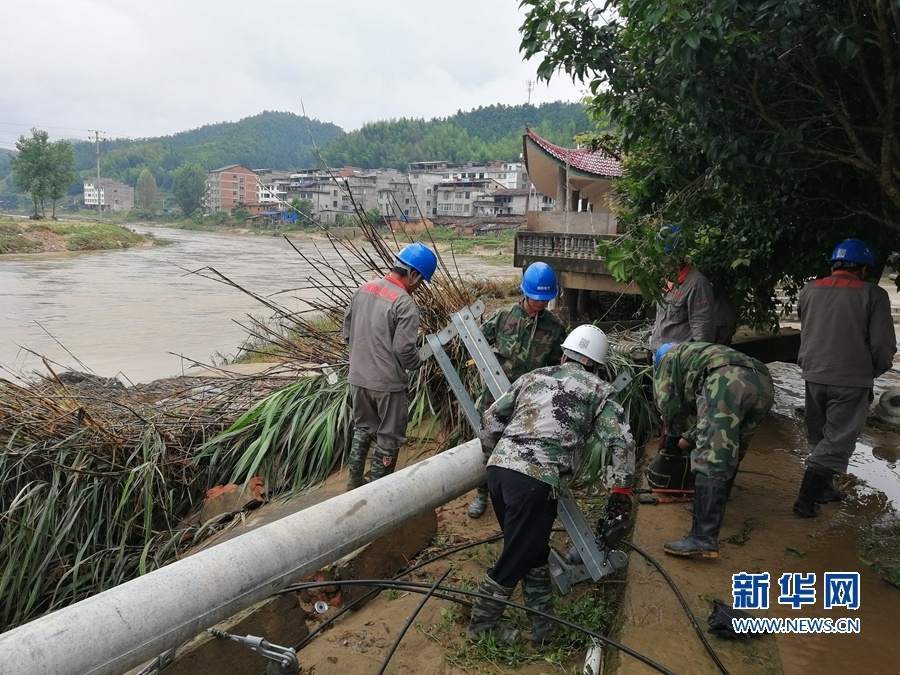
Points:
(280, 140)
(269, 139)
(491, 132)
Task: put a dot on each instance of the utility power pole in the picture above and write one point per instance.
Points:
(97, 184)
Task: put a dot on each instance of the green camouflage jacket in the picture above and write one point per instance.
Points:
(552, 419)
(680, 378)
(523, 343)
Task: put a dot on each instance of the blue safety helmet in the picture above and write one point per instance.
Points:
(419, 257)
(661, 351)
(539, 282)
(671, 237)
(854, 251)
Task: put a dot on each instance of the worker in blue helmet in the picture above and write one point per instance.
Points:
(381, 326)
(524, 336)
(691, 309)
(847, 339)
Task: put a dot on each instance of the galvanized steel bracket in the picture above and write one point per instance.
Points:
(596, 562)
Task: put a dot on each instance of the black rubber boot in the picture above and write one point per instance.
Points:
(689, 507)
(815, 481)
(831, 493)
(709, 510)
(478, 505)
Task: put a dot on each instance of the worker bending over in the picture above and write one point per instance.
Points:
(847, 339)
(713, 398)
(381, 326)
(540, 433)
(524, 336)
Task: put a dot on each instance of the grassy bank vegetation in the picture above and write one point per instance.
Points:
(27, 236)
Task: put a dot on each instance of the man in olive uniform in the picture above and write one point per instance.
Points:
(381, 326)
(540, 433)
(691, 309)
(524, 336)
(713, 398)
(847, 339)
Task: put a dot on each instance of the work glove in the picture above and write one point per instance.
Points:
(614, 526)
(619, 503)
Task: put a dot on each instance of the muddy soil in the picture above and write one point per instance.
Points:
(760, 534)
(435, 644)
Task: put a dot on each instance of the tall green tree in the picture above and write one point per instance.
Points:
(145, 190)
(31, 168)
(305, 209)
(767, 128)
(189, 186)
(61, 173)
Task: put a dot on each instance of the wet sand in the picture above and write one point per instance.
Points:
(654, 623)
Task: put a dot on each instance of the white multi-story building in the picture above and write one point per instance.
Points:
(272, 188)
(411, 196)
(108, 194)
(512, 202)
(458, 198)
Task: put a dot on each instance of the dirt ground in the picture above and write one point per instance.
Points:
(435, 644)
(764, 536)
(759, 534)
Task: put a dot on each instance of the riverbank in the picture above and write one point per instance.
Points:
(494, 248)
(23, 236)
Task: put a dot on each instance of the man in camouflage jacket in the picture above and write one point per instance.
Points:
(524, 336)
(540, 433)
(713, 398)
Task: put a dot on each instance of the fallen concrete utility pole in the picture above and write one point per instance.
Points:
(129, 624)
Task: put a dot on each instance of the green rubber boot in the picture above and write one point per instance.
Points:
(479, 503)
(383, 462)
(356, 462)
(486, 612)
(539, 595)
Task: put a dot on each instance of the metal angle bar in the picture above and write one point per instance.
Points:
(480, 351)
(453, 379)
(579, 530)
(446, 334)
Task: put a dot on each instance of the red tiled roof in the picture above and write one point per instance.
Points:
(597, 163)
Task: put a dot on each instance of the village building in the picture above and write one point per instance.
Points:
(512, 202)
(232, 187)
(510, 175)
(108, 194)
(458, 198)
(566, 237)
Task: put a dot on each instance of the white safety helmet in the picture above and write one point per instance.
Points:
(589, 341)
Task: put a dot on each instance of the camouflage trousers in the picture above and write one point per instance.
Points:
(730, 407)
(384, 460)
(380, 416)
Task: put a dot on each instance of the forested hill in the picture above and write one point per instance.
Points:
(280, 140)
(491, 132)
(270, 139)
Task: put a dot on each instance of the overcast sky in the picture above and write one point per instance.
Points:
(149, 67)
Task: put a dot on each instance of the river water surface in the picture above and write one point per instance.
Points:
(124, 311)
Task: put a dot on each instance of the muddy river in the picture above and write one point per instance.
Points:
(129, 312)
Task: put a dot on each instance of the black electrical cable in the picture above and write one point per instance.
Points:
(409, 621)
(415, 587)
(443, 554)
(684, 605)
